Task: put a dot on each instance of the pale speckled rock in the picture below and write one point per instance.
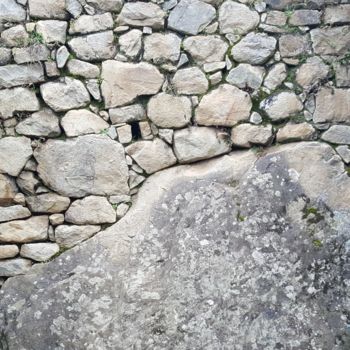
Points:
(191, 16)
(13, 212)
(305, 18)
(47, 203)
(338, 134)
(197, 143)
(311, 72)
(47, 9)
(151, 156)
(39, 251)
(8, 190)
(30, 54)
(161, 48)
(237, 18)
(342, 75)
(89, 24)
(127, 114)
(94, 47)
(64, 95)
(141, 14)
(15, 75)
(107, 5)
(68, 236)
(246, 76)
(123, 82)
(14, 154)
(5, 56)
(332, 105)
(337, 14)
(225, 106)
(14, 267)
(275, 76)
(90, 210)
(82, 122)
(168, 111)
(206, 48)
(15, 36)
(62, 56)
(52, 31)
(83, 69)
(344, 152)
(23, 231)
(282, 105)
(8, 251)
(254, 48)
(130, 43)
(296, 132)
(190, 81)
(90, 164)
(292, 45)
(247, 135)
(10, 11)
(44, 123)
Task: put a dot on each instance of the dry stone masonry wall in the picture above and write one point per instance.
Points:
(96, 95)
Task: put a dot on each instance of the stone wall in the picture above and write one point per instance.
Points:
(96, 95)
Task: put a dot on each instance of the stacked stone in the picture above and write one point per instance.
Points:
(95, 95)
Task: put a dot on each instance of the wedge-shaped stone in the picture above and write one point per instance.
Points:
(47, 9)
(225, 106)
(90, 164)
(8, 190)
(13, 213)
(296, 132)
(47, 203)
(106, 5)
(123, 82)
(127, 114)
(83, 69)
(39, 251)
(338, 134)
(14, 267)
(68, 236)
(248, 135)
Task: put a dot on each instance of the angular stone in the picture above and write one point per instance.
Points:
(14, 267)
(296, 132)
(15, 75)
(282, 4)
(89, 24)
(332, 105)
(344, 152)
(27, 182)
(237, 18)
(224, 106)
(8, 190)
(161, 48)
(151, 156)
(282, 105)
(168, 111)
(40, 124)
(141, 14)
(91, 164)
(5, 56)
(311, 72)
(276, 75)
(127, 114)
(52, 31)
(68, 236)
(276, 18)
(247, 135)
(13, 213)
(94, 47)
(338, 134)
(123, 82)
(65, 95)
(23, 231)
(131, 43)
(124, 134)
(339, 14)
(14, 154)
(293, 45)
(30, 54)
(206, 48)
(90, 210)
(74, 7)
(62, 55)
(15, 36)
(305, 18)
(47, 9)
(10, 11)
(107, 5)
(82, 122)
(8, 251)
(254, 48)
(191, 16)
(342, 75)
(39, 251)
(246, 76)
(47, 203)
(190, 81)
(197, 143)
(83, 69)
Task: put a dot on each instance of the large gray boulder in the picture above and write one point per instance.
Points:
(241, 252)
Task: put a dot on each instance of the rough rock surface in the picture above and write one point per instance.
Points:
(288, 282)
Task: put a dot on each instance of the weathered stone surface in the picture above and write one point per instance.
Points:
(8, 251)
(13, 213)
(292, 45)
(89, 24)
(296, 132)
(247, 135)
(30, 54)
(127, 114)
(123, 82)
(5, 56)
(237, 18)
(342, 75)
(40, 124)
(197, 143)
(246, 76)
(168, 111)
(52, 31)
(282, 105)
(47, 9)
(224, 106)
(190, 81)
(151, 156)
(83, 69)
(14, 267)
(17, 99)
(206, 48)
(161, 48)
(8, 190)
(282, 4)
(332, 105)
(191, 16)
(305, 18)
(338, 134)
(90, 211)
(15, 75)
(107, 5)
(65, 95)
(62, 56)
(311, 72)
(130, 43)
(27, 182)
(68, 236)
(39, 251)
(203, 221)
(276, 75)
(337, 14)
(82, 122)
(47, 203)
(10, 11)
(22, 231)
(344, 152)
(14, 153)
(15, 36)
(254, 48)
(90, 164)
(94, 47)
(142, 14)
